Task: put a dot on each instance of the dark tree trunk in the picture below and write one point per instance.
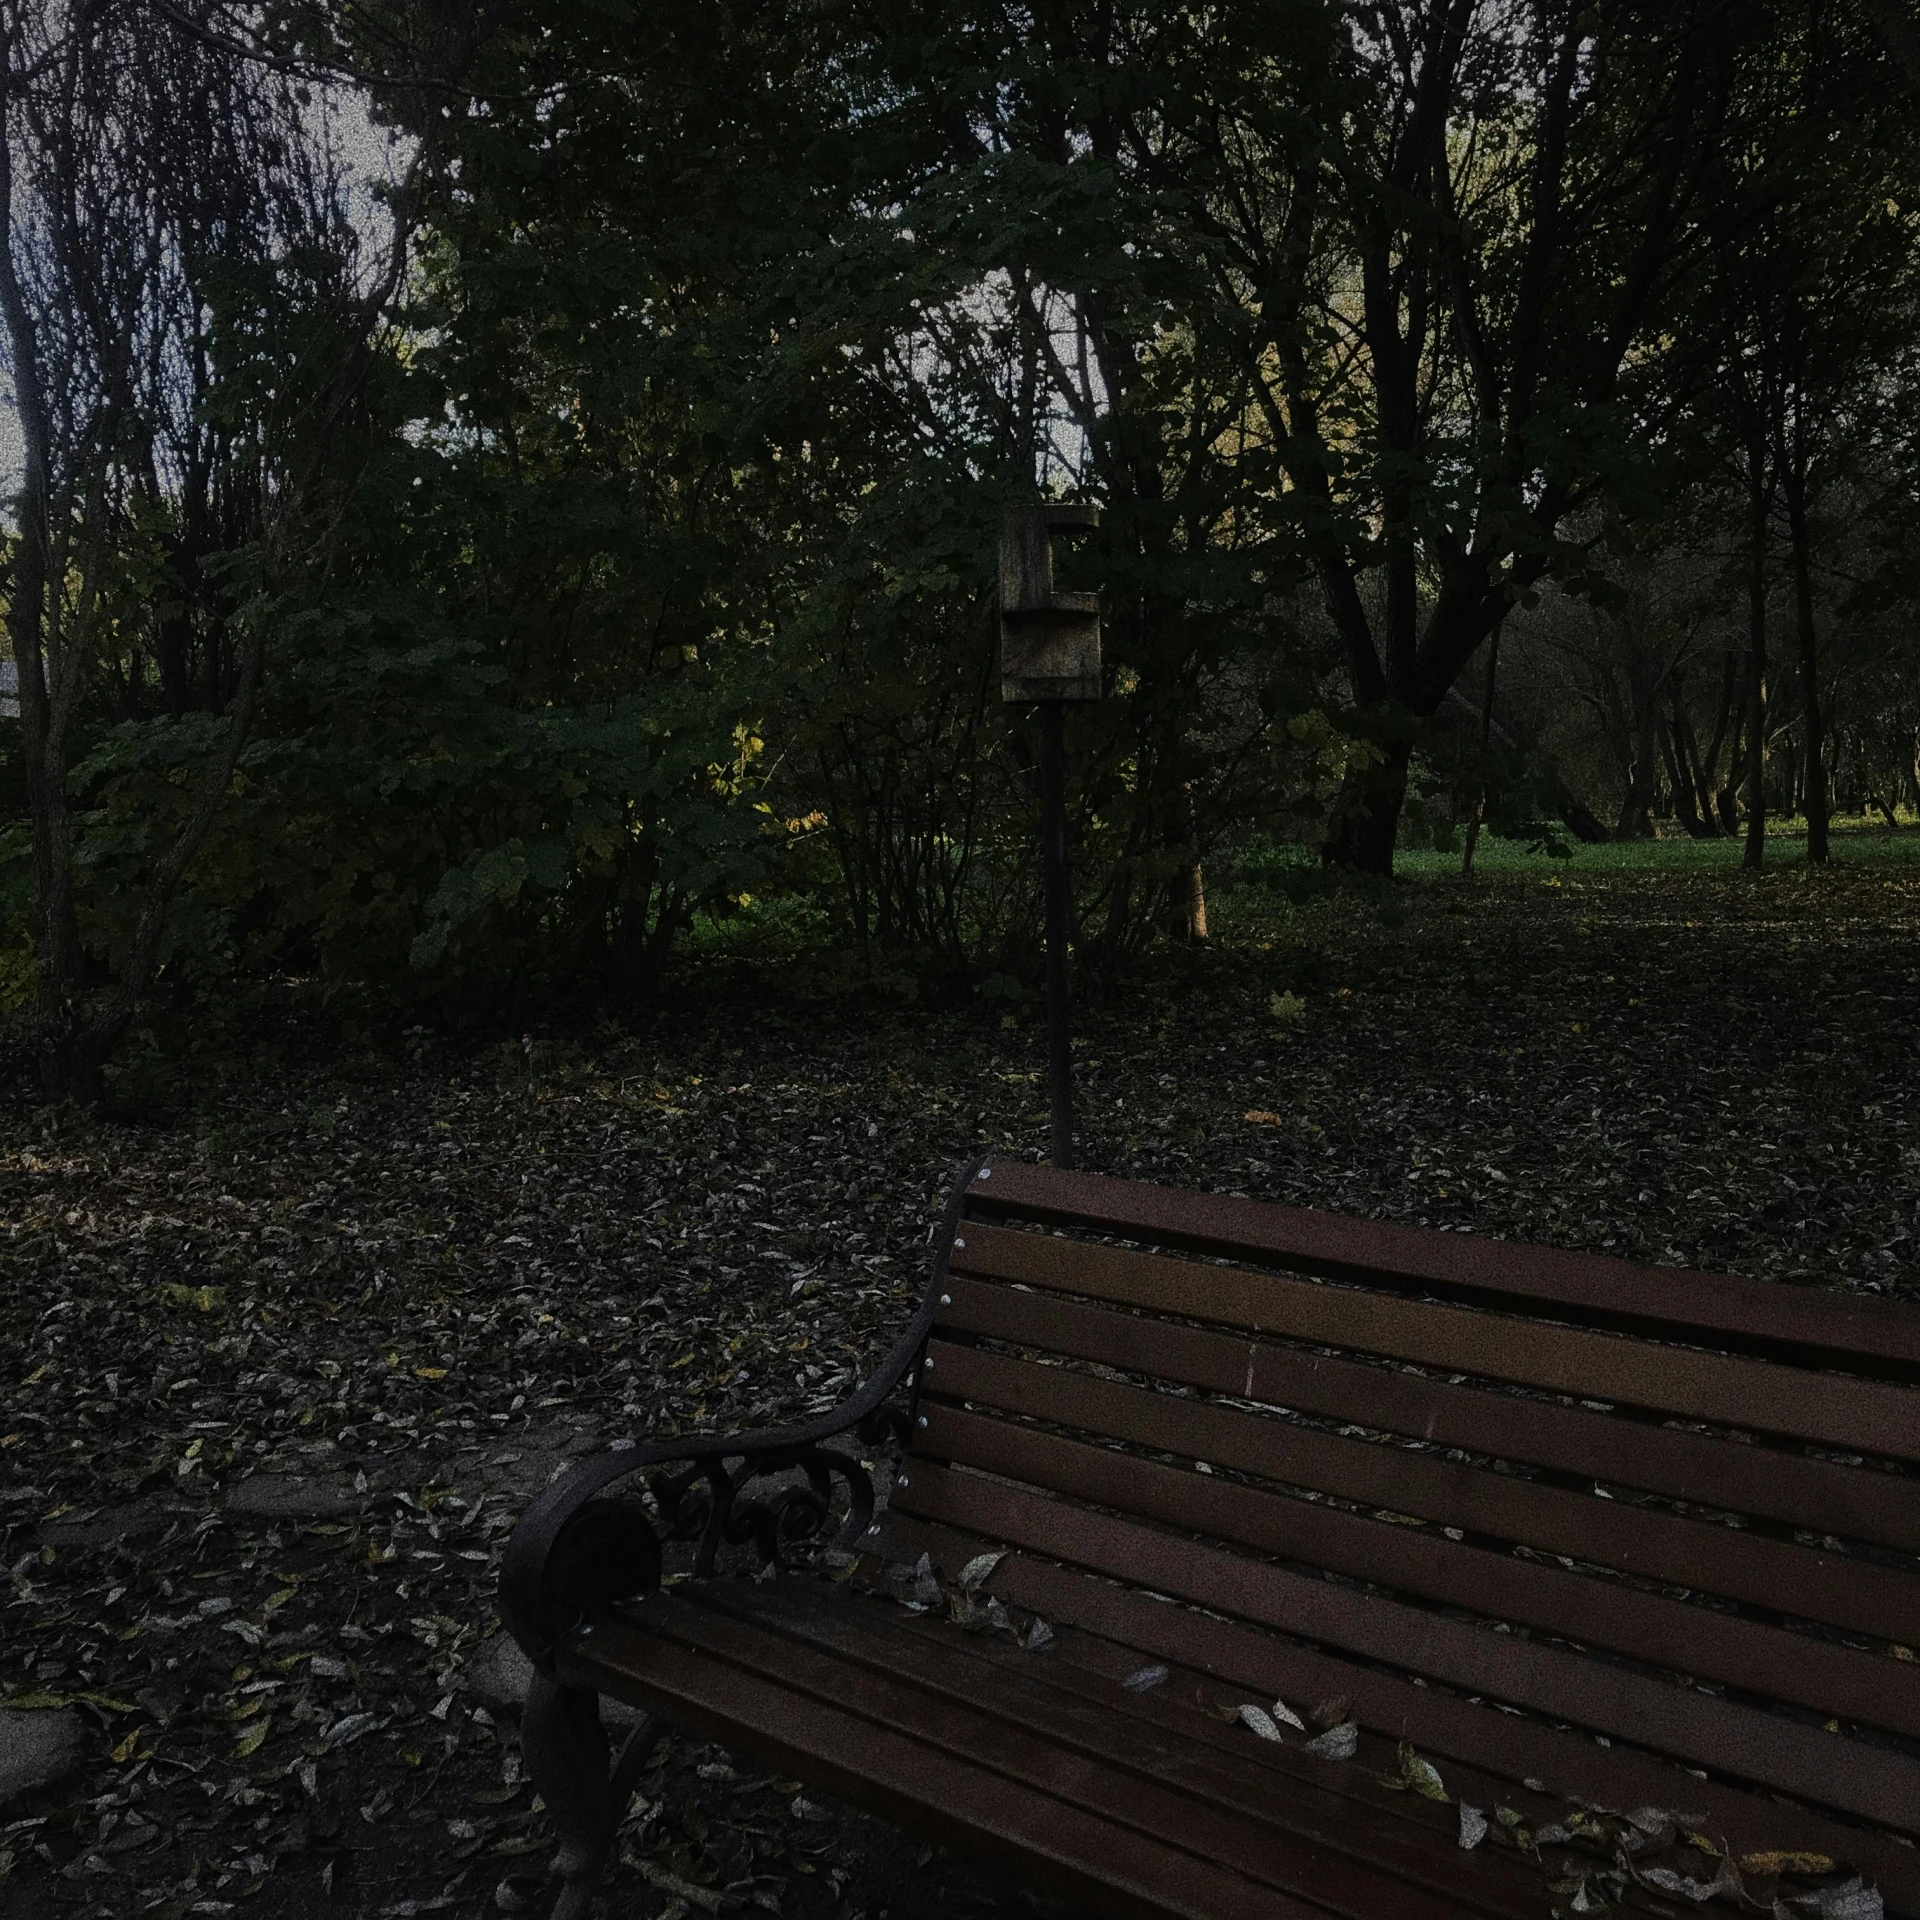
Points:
(1726, 799)
(1812, 732)
(1486, 741)
(1190, 883)
(1686, 800)
(1715, 793)
(1368, 818)
(1760, 494)
(1697, 771)
(1643, 777)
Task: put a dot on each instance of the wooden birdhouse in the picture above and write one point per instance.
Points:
(1049, 642)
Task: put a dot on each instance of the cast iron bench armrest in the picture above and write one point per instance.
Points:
(573, 1551)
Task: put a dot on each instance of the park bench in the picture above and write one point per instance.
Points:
(1578, 1532)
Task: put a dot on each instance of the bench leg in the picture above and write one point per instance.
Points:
(568, 1758)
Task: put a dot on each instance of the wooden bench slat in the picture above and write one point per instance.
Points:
(1299, 1797)
(1870, 1416)
(1301, 1876)
(1701, 1642)
(957, 1802)
(1760, 1310)
(1198, 1707)
(1702, 1555)
(1441, 1724)
(1768, 1482)
(1831, 1769)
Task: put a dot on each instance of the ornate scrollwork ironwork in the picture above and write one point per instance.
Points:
(703, 1503)
(573, 1550)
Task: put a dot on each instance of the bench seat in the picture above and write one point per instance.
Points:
(1137, 1803)
(1571, 1529)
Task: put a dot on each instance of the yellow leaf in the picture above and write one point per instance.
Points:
(34, 1701)
(393, 1359)
(431, 1373)
(124, 1751)
(1421, 1775)
(1260, 1117)
(250, 1741)
(247, 1709)
(38, 1374)
(1786, 1863)
(281, 1598)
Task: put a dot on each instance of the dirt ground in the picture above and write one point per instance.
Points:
(282, 1357)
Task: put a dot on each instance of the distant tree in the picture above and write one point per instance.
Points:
(173, 235)
(1493, 238)
(1803, 331)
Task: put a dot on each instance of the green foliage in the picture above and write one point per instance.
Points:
(653, 597)
(400, 823)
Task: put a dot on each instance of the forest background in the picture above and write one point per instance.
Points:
(508, 493)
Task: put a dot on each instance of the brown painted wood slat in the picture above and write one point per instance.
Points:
(1294, 1795)
(1079, 1855)
(1761, 1310)
(1768, 1482)
(1204, 1708)
(1697, 1641)
(1833, 1770)
(1705, 1556)
(1869, 1416)
(1438, 1722)
(1301, 1875)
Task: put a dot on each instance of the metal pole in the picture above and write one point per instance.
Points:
(1053, 833)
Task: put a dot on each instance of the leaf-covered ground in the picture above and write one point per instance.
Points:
(279, 1366)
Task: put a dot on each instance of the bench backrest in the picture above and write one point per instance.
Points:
(1656, 1516)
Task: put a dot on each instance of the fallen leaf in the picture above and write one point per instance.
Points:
(1260, 1720)
(977, 1569)
(926, 1583)
(249, 1742)
(1421, 1775)
(1854, 1901)
(1473, 1826)
(1337, 1743)
(1785, 1863)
